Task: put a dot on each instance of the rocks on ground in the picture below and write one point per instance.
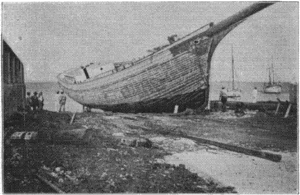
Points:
(103, 165)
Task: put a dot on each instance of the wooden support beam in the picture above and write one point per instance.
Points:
(288, 110)
(176, 109)
(73, 117)
(277, 109)
(260, 154)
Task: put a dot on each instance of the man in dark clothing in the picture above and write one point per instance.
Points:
(41, 100)
(223, 98)
(28, 102)
(34, 101)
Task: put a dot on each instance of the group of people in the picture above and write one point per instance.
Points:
(34, 102)
(223, 97)
(60, 101)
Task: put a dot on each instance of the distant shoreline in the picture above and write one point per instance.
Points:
(285, 82)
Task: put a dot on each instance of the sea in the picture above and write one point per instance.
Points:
(49, 90)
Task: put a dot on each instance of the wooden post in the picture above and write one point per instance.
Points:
(288, 110)
(208, 105)
(176, 109)
(73, 117)
(277, 109)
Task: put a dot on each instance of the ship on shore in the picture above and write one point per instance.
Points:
(234, 93)
(272, 87)
(175, 74)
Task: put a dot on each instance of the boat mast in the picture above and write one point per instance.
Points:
(270, 79)
(273, 70)
(232, 67)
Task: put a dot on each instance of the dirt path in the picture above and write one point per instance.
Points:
(246, 173)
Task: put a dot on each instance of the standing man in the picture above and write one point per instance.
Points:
(223, 98)
(34, 101)
(41, 101)
(57, 96)
(254, 95)
(62, 102)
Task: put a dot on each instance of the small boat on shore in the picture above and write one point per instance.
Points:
(175, 74)
(234, 93)
(272, 87)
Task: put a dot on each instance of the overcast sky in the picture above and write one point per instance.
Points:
(53, 37)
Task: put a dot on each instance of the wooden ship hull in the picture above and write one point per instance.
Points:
(175, 75)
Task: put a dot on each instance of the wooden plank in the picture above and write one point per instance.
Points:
(51, 185)
(260, 154)
(73, 117)
(288, 110)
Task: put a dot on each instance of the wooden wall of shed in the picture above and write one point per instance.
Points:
(13, 85)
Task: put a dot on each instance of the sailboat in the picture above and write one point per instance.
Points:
(234, 92)
(176, 74)
(272, 87)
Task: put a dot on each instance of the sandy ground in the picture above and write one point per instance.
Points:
(246, 173)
